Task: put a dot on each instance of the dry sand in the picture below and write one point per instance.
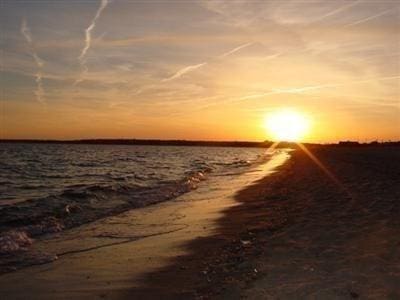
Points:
(296, 234)
(301, 235)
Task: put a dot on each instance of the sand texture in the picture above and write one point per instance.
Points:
(300, 233)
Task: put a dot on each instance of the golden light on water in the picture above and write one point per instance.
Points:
(287, 125)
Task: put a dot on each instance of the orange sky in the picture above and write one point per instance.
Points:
(208, 70)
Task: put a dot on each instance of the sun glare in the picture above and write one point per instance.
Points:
(287, 125)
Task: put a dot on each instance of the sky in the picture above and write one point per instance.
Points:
(200, 70)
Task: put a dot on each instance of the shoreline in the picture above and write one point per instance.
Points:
(108, 258)
(296, 234)
(215, 265)
(291, 234)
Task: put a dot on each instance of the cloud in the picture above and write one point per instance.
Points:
(25, 31)
(369, 18)
(336, 11)
(300, 90)
(235, 50)
(88, 31)
(88, 40)
(39, 90)
(295, 90)
(191, 68)
(184, 71)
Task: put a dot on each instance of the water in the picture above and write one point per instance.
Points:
(47, 188)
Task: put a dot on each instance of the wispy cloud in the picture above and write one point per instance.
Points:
(230, 52)
(26, 32)
(88, 31)
(370, 18)
(337, 10)
(300, 90)
(304, 89)
(295, 90)
(88, 40)
(191, 68)
(184, 71)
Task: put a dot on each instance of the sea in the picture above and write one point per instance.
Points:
(49, 188)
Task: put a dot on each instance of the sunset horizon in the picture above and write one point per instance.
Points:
(200, 149)
(204, 70)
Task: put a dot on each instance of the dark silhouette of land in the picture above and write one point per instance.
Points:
(153, 142)
(158, 142)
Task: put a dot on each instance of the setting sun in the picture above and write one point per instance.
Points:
(287, 125)
(133, 128)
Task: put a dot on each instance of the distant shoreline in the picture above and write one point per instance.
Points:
(153, 142)
(195, 143)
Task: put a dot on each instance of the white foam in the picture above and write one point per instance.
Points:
(13, 241)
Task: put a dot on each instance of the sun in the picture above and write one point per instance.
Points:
(287, 125)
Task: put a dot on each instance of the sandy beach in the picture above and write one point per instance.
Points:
(298, 235)
(203, 149)
(113, 256)
(293, 234)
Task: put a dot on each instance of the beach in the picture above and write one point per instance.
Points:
(327, 230)
(298, 235)
(204, 149)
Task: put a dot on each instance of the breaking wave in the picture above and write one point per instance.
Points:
(84, 203)
(48, 188)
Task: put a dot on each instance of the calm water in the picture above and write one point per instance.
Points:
(49, 187)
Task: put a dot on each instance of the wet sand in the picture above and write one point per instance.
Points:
(113, 257)
(294, 234)
(301, 234)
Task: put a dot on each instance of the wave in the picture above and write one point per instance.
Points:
(79, 204)
(71, 186)
(15, 254)
(64, 195)
(13, 241)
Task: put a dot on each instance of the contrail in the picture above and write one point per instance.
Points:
(336, 11)
(191, 68)
(293, 90)
(235, 50)
(300, 90)
(183, 71)
(25, 31)
(88, 31)
(283, 91)
(88, 39)
(369, 18)
(39, 93)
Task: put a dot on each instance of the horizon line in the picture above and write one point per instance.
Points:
(150, 141)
